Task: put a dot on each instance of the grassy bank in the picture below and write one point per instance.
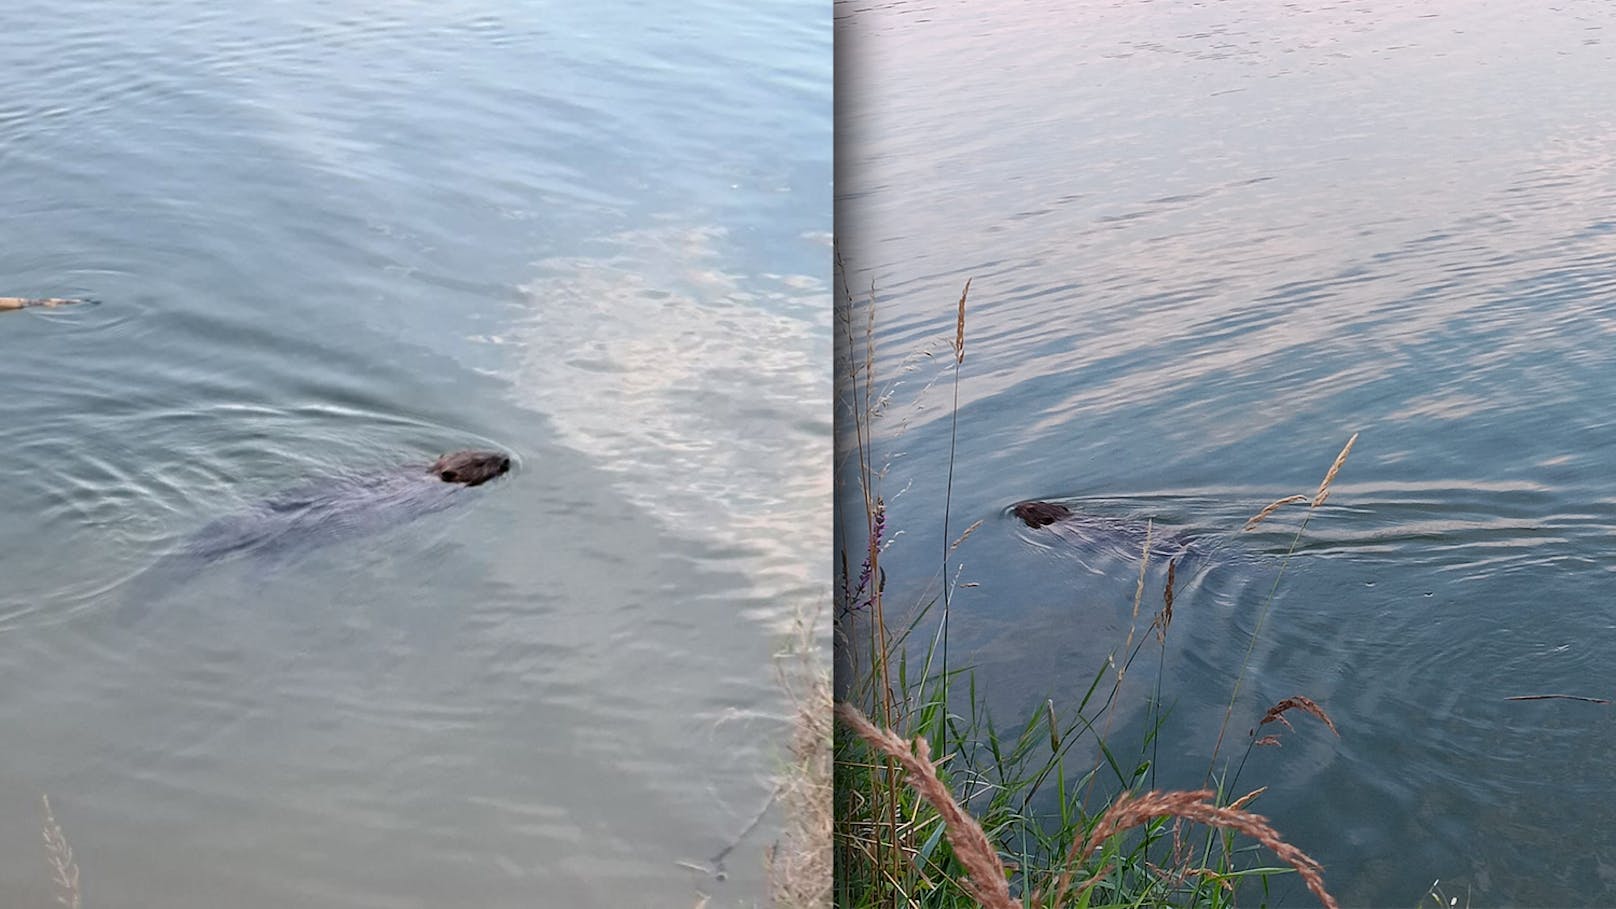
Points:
(939, 804)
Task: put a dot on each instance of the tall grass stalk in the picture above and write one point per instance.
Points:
(1313, 503)
(948, 488)
(860, 376)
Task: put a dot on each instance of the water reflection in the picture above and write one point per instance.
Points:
(1207, 244)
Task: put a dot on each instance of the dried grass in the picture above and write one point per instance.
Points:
(986, 879)
(1181, 869)
(1165, 617)
(1318, 499)
(1138, 596)
(964, 536)
(1272, 507)
(1298, 702)
(64, 871)
(799, 865)
(1129, 811)
(959, 325)
(1313, 501)
(1335, 468)
(1248, 798)
(1054, 727)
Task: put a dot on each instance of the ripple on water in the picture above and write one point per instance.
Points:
(128, 488)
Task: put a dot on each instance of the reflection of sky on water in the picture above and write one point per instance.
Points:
(703, 391)
(1209, 242)
(1273, 247)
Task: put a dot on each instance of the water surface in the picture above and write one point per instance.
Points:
(337, 239)
(1208, 242)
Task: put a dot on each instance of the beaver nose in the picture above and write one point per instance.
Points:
(504, 465)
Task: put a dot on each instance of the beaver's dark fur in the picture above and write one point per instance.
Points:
(471, 468)
(1041, 514)
(309, 518)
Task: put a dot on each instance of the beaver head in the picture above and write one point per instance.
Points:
(472, 468)
(1040, 514)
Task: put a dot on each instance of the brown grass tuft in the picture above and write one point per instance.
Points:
(962, 537)
(986, 882)
(1306, 705)
(959, 326)
(1335, 468)
(1248, 798)
(1165, 617)
(800, 865)
(1130, 811)
(1272, 507)
(65, 872)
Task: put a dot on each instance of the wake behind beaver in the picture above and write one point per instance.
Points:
(306, 519)
(1123, 536)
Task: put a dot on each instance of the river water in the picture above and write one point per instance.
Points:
(334, 239)
(1209, 242)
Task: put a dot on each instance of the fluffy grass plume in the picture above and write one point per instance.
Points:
(1276, 713)
(1335, 468)
(1129, 811)
(800, 864)
(1272, 507)
(64, 871)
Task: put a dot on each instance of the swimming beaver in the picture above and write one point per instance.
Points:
(305, 519)
(1041, 514)
(471, 468)
(1125, 536)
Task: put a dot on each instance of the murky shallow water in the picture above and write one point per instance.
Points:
(1207, 244)
(335, 240)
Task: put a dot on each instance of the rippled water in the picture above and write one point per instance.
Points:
(341, 239)
(1209, 242)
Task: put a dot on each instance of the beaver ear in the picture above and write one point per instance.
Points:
(449, 476)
